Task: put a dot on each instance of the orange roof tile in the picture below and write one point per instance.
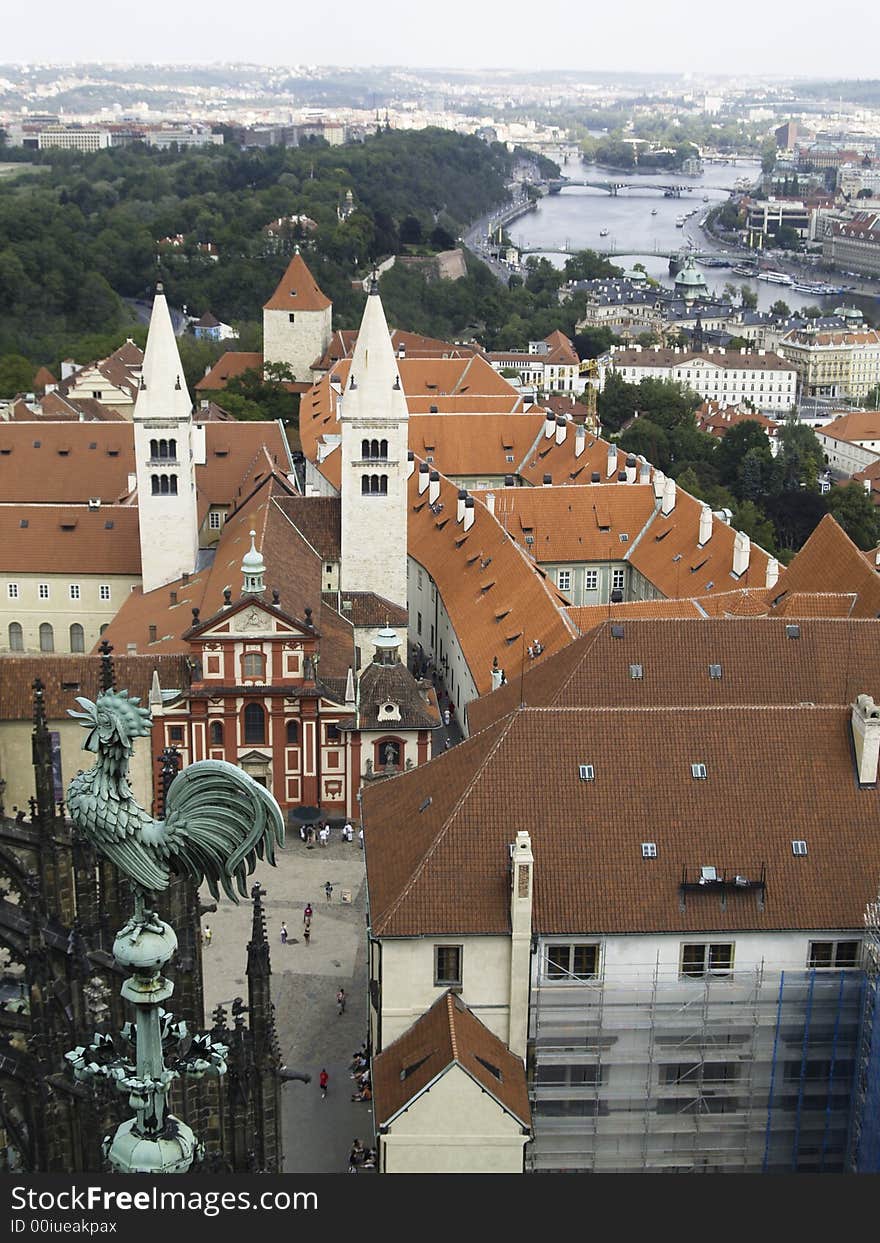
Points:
(297, 290)
(575, 524)
(830, 562)
(72, 539)
(227, 366)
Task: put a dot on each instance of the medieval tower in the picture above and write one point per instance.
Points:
(375, 429)
(164, 458)
(297, 321)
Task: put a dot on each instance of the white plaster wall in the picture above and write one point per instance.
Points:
(408, 987)
(455, 1128)
(845, 456)
(59, 610)
(298, 344)
(374, 534)
(457, 675)
(169, 526)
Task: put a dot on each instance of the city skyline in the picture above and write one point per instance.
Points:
(635, 38)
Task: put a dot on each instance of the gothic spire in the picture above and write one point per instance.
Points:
(163, 392)
(374, 388)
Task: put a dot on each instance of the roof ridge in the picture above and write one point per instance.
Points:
(594, 638)
(453, 1035)
(444, 828)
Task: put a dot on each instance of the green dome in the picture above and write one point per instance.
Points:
(849, 312)
(636, 275)
(690, 281)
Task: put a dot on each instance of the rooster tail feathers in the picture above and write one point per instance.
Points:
(218, 822)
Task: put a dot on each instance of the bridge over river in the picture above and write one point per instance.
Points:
(609, 253)
(669, 188)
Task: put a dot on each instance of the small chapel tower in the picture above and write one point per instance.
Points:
(297, 321)
(375, 431)
(164, 458)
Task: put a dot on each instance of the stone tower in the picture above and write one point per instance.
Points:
(297, 321)
(164, 458)
(375, 428)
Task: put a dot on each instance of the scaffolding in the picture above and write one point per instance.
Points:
(864, 1155)
(747, 1070)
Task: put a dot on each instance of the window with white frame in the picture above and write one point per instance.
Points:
(12, 591)
(104, 592)
(73, 590)
(649, 850)
(563, 580)
(215, 520)
(572, 962)
(591, 580)
(618, 579)
(706, 958)
(834, 955)
(447, 964)
(43, 591)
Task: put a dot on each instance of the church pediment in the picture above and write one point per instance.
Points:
(250, 620)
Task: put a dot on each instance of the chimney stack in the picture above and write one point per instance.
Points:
(549, 425)
(560, 430)
(410, 463)
(644, 470)
(659, 485)
(706, 525)
(742, 546)
(580, 440)
(668, 503)
(522, 864)
(631, 468)
(433, 486)
(611, 465)
(497, 674)
(772, 572)
(462, 497)
(490, 502)
(469, 513)
(424, 471)
(866, 738)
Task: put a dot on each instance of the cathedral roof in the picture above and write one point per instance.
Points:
(297, 290)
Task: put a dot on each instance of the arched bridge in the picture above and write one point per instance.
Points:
(628, 250)
(668, 188)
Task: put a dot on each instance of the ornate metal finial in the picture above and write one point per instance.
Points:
(160, 288)
(218, 821)
(276, 596)
(195, 614)
(169, 767)
(177, 384)
(108, 675)
(352, 382)
(374, 282)
(39, 703)
(308, 613)
(396, 384)
(227, 595)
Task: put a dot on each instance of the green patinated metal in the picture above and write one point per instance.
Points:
(218, 822)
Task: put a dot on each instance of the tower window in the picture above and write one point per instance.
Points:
(291, 317)
(374, 485)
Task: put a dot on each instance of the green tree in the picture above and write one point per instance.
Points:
(856, 513)
(781, 308)
(800, 456)
(410, 231)
(748, 297)
(16, 375)
(768, 156)
(251, 395)
(750, 518)
(735, 444)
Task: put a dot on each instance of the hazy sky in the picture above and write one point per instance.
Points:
(812, 38)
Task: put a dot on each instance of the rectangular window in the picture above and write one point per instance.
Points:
(253, 665)
(331, 732)
(43, 591)
(447, 964)
(12, 591)
(572, 962)
(649, 850)
(104, 592)
(705, 958)
(591, 580)
(175, 733)
(419, 623)
(618, 578)
(586, 772)
(834, 954)
(215, 520)
(74, 591)
(563, 580)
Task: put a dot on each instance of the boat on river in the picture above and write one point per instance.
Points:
(603, 232)
(653, 211)
(775, 278)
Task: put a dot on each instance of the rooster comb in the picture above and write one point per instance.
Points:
(129, 719)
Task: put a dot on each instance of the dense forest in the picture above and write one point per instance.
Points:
(86, 231)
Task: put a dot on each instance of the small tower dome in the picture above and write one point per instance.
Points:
(387, 644)
(690, 283)
(253, 569)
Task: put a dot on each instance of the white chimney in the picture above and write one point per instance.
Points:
(668, 503)
(659, 485)
(560, 431)
(611, 466)
(631, 471)
(866, 738)
(742, 546)
(549, 425)
(490, 502)
(459, 513)
(410, 463)
(522, 866)
(132, 481)
(644, 470)
(772, 572)
(424, 472)
(469, 513)
(433, 487)
(580, 440)
(497, 675)
(705, 525)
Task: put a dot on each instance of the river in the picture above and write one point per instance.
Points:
(645, 219)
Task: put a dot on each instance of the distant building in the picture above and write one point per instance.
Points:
(765, 380)
(549, 366)
(209, 328)
(854, 245)
(833, 363)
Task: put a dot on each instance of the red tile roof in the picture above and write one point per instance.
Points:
(297, 290)
(447, 1035)
(65, 677)
(70, 539)
(229, 365)
(830, 562)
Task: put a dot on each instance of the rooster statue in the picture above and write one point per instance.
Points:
(218, 820)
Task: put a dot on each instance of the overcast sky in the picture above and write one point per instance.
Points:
(812, 38)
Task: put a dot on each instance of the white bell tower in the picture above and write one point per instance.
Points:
(375, 468)
(163, 446)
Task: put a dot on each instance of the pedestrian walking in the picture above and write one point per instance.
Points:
(324, 835)
(307, 913)
(328, 890)
(307, 931)
(323, 1080)
(447, 717)
(340, 1001)
(207, 935)
(283, 933)
(361, 838)
(347, 832)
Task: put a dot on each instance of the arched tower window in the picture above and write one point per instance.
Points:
(172, 450)
(154, 481)
(365, 449)
(154, 448)
(254, 723)
(16, 637)
(383, 485)
(383, 450)
(47, 637)
(172, 485)
(77, 638)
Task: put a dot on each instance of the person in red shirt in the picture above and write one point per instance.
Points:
(323, 1080)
